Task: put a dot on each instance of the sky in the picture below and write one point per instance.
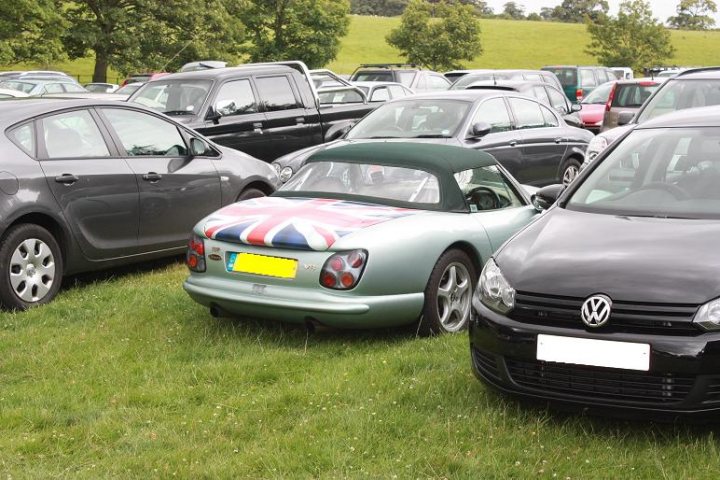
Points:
(661, 8)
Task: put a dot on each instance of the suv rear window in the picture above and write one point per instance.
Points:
(633, 95)
(374, 76)
(567, 76)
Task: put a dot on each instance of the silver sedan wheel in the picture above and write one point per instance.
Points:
(571, 171)
(32, 270)
(454, 296)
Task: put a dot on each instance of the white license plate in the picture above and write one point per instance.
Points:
(596, 353)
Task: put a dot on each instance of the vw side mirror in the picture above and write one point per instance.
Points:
(546, 196)
(625, 117)
(576, 107)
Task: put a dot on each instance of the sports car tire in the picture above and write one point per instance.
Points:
(249, 193)
(448, 294)
(31, 267)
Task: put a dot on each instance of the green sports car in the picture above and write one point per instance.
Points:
(364, 235)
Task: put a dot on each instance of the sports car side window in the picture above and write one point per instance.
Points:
(485, 188)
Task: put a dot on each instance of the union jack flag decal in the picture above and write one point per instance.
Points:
(300, 223)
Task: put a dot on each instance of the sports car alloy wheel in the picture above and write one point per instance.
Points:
(453, 299)
(448, 294)
(32, 270)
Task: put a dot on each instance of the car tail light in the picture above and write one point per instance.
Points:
(343, 270)
(579, 94)
(611, 97)
(195, 257)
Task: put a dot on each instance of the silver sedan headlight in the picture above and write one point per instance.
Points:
(708, 316)
(493, 290)
(285, 174)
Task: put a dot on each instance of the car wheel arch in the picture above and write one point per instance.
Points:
(49, 223)
(471, 252)
(264, 187)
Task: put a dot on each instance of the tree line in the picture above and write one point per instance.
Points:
(440, 35)
(691, 14)
(151, 35)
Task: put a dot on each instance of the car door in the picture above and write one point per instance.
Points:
(503, 141)
(235, 119)
(544, 141)
(289, 125)
(176, 189)
(95, 188)
(495, 202)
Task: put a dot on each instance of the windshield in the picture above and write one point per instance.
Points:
(174, 97)
(426, 118)
(25, 87)
(567, 76)
(378, 182)
(681, 94)
(664, 172)
(373, 76)
(600, 95)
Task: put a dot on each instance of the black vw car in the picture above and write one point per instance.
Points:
(611, 298)
(529, 139)
(91, 184)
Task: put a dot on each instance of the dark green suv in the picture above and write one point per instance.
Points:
(577, 81)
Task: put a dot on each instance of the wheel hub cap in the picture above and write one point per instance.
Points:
(32, 270)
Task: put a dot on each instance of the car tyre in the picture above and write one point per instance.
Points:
(249, 193)
(570, 171)
(448, 294)
(31, 267)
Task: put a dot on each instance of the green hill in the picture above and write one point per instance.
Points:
(506, 44)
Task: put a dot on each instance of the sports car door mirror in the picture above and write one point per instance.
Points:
(546, 196)
(576, 107)
(480, 129)
(198, 147)
(625, 117)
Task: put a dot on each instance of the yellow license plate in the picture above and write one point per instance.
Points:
(262, 265)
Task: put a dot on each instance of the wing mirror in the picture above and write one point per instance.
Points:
(198, 147)
(546, 196)
(480, 129)
(625, 117)
(576, 107)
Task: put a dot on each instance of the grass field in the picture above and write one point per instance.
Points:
(506, 43)
(125, 377)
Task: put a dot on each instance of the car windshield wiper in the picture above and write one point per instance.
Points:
(381, 136)
(432, 135)
(179, 112)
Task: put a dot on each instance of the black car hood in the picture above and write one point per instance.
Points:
(627, 258)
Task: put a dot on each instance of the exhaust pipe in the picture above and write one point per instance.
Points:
(215, 311)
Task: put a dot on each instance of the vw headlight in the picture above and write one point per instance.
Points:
(596, 145)
(494, 291)
(285, 174)
(708, 317)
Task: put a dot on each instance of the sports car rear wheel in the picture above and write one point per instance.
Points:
(448, 294)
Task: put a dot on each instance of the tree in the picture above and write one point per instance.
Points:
(513, 10)
(385, 8)
(307, 30)
(634, 38)
(534, 17)
(694, 15)
(30, 31)
(576, 11)
(148, 35)
(437, 36)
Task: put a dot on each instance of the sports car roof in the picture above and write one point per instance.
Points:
(423, 156)
(441, 160)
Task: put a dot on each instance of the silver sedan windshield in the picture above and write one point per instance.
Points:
(413, 118)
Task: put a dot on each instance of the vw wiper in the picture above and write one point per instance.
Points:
(179, 112)
(432, 135)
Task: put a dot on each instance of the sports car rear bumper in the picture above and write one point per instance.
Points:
(301, 305)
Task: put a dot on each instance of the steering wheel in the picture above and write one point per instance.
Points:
(671, 188)
(496, 199)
